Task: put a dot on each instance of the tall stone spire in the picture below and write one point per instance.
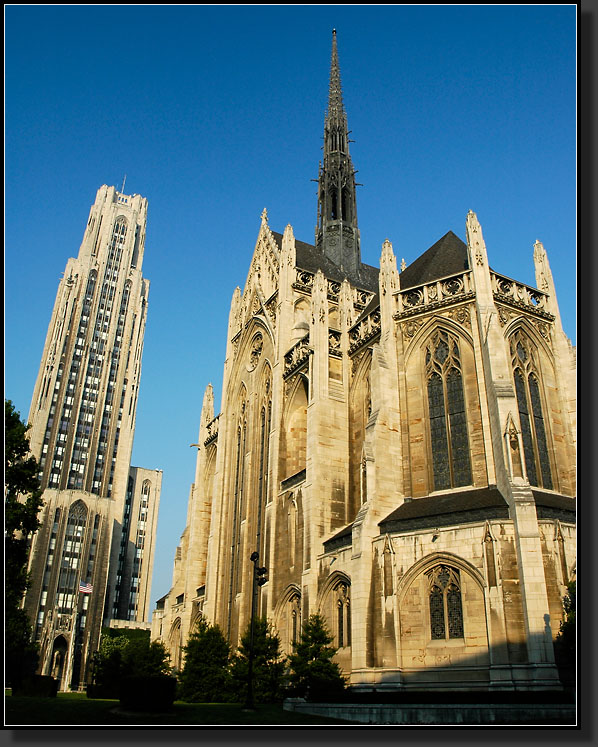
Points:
(337, 235)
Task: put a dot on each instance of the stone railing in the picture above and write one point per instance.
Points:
(297, 356)
(361, 298)
(212, 430)
(364, 331)
(304, 281)
(517, 294)
(432, 295)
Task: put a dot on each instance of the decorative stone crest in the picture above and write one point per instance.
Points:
(461, 316)
(410, 328)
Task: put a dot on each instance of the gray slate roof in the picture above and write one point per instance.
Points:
(447, 256)
(310, 259)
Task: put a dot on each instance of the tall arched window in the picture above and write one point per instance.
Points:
(446, 405)
(345, 205)
(333, 204)
(446, 609)
(533, 432)
(295, 618)
(343, 614)
(70, 564)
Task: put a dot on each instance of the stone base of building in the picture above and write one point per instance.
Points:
(527, 677)
(439, 713)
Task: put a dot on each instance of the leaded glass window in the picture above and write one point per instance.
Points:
(531, 417)
(451, 462)
(343, 615)
(446, 609)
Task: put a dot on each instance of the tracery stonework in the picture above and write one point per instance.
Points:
(255, 352)
(380, 453)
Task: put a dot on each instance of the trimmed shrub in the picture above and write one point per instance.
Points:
(36, 686)
(147, 693)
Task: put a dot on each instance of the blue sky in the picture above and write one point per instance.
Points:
(215, 112)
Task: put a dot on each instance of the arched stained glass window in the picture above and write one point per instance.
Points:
(446, 406)
(446, 609)
(529, 403)
(343, 614)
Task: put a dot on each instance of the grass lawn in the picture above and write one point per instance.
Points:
(68, 709)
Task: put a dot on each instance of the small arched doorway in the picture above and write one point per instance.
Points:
(58, 661)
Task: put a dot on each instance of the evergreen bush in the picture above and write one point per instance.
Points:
(268, 664)
(313, 673)
(205, 677)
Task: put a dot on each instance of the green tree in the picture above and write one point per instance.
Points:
(313, 673)
(107, 662)
(205, 677)
(127, 655)
(22, 503)
(268, 664)
(142, 657)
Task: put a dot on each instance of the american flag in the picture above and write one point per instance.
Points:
(85, 588)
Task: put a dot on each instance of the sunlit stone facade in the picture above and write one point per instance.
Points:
(399, 448)
(99, 515)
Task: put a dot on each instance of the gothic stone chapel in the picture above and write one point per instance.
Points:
(398, 447)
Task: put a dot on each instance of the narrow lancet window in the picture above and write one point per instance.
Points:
(531, 417)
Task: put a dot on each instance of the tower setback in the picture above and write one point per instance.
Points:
(92, 558)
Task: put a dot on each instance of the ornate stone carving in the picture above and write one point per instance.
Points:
(504, 316)
(296, 357)
(434, 295)
(410, 328)
(212, 430)
(519, 295)
(365, 331)
(334, 343)
(334, 289)
(270, 309)
(255, 352)
(543, 329)
(460, 315)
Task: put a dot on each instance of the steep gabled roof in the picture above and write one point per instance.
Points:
(446, 257)
(310, 259)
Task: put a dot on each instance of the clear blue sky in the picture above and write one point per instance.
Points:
(215, 112)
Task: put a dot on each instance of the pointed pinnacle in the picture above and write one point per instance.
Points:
(335, 96)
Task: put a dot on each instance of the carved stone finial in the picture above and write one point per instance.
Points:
(403, 264)
(264, 216)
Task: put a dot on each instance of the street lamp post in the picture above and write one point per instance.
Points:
(259, 578)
